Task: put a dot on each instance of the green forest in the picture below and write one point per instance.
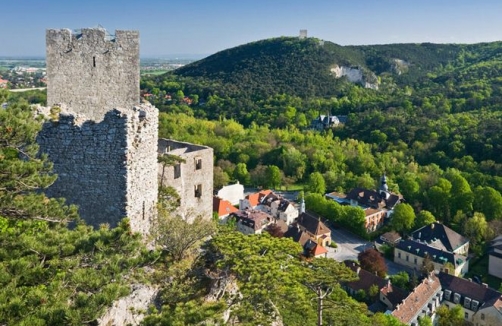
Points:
(433, 127)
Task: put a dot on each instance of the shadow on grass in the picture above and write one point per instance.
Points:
(479, 267)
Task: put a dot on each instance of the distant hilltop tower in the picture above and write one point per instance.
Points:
(104, 144)
(303, 33)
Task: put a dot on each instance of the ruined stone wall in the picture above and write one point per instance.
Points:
(189, 176)
(92, 72)
(107, 168)
(142, 178)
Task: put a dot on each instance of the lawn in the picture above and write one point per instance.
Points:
(480, 267)
(153, 72)
(294, 187)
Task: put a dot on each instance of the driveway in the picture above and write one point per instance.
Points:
(350, 245)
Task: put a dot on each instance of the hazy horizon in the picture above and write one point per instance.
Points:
(200, 28)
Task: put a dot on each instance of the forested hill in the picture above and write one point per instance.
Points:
(302, 67)
(280, 65)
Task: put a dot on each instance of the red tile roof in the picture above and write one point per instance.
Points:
(319, 250)
(222, 207)
(256, 198)
(417, 300)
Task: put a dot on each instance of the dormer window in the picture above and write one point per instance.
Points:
(456, 298)
(474, 306)
(467, 303)
(447, 294)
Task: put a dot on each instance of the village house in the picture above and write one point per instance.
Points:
(223, 208)
(481, 305)
(388, 296)
(422, 301)
(411, 253)
(442, 237)
(391, 238)
(311, 224)
(251, 221)
(233, 193)
(310, 232)
(271, 203)
(253, 200)
(377, 205)
(495, 257)
(323, 122)
(3, 82)
(310, 247)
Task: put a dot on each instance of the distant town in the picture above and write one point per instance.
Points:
(22, 73)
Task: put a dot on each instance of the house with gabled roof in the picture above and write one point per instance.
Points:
(223, 208)
(481, 305)
(442, 237)
(253, 200)
(324, 122)
(495, 257)
(389, 296)
(423, 301)
(377, 205)
(251, 221)
(489, 315)
(234, 193)
(284, 210)
(310, 247)
(271, 203)
(412, 254)
(311, 223)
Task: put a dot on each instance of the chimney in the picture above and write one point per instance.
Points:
(484, 285)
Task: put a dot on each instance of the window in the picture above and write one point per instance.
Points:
(407, 258)
(415, 260)
(399, 255)
(466, 316)
(198, 163)
(177, 171)
(482, 316)
(467, 303)
(94, 61)
(456, 298)
(198, 191)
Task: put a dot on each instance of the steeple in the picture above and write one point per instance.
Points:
(302, 206)
(384, 188)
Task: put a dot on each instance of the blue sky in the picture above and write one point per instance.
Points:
(202, 27)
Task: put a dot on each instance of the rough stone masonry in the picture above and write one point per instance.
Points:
(104, 148)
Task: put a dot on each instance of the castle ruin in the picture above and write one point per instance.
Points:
(104, 147)
(192, 179)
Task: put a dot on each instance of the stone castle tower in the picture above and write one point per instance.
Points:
(104, 146)
(91, 71)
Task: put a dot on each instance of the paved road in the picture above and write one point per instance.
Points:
(350, 245)
(26, 89)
